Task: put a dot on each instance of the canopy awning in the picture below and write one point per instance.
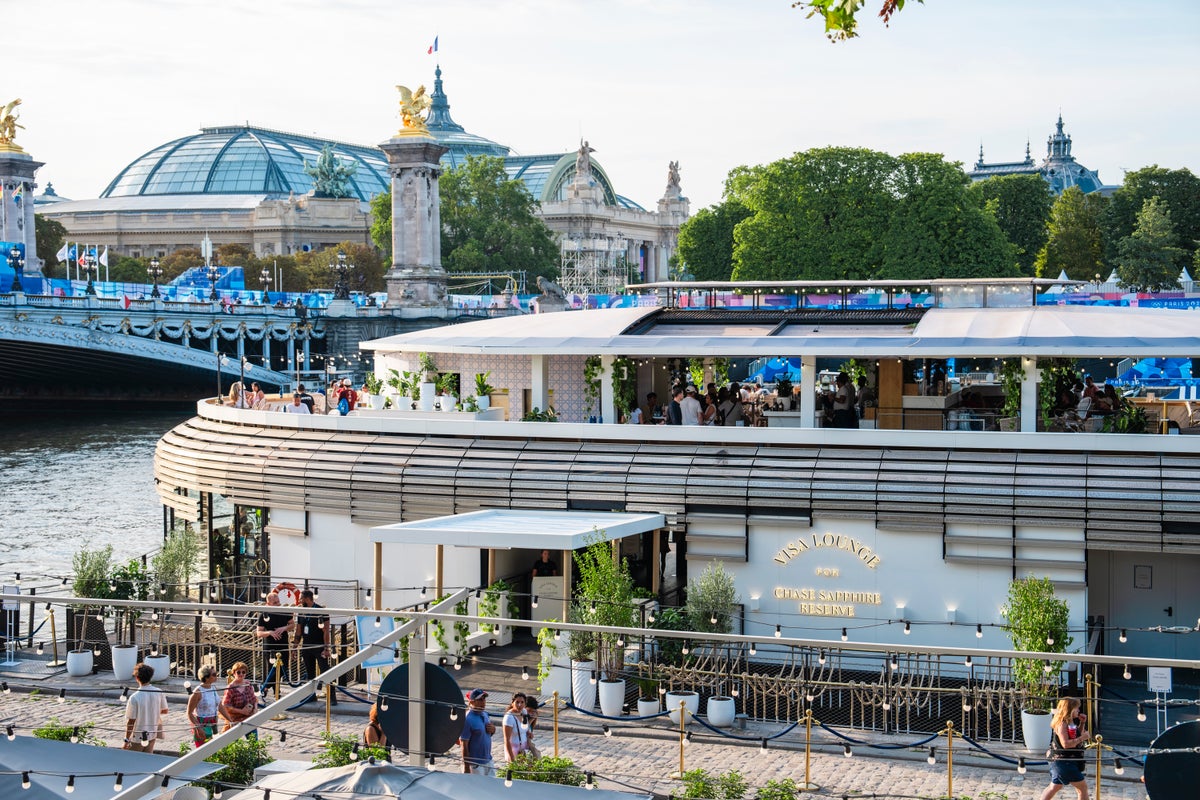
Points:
(509, 529)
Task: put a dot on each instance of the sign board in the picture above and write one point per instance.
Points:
(1158, 679)
(9, 604)
(369, 633)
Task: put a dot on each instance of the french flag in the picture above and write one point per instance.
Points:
(433, 47)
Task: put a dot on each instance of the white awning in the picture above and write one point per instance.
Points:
(511, 529)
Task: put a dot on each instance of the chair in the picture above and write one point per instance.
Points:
(1076, 420)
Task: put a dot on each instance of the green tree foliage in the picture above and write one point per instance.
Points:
(937, 229)
(179, 262)
(339, 752)
(1037, 622)
(604, 596)
(841, 16)
(699, 783)
(366, 274)
(1021, 205)
(816, 215)
(1179, 189)
(546, 769)
(381, 224)
(706, 241)
(712, 596)
(1147, 259)
(1076, 241)
(840, 213)
(489, 222)
(50, 235)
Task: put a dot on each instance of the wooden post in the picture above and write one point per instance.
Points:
(437, 571)
(378, 577)
(491, 576)
(567, 563)
(656, 559)
(416, 701)
(555, 723)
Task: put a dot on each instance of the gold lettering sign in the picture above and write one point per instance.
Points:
(836, 541)
(827, 602)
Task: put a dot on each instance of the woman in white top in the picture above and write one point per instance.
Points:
(516, 734)
(202, 706)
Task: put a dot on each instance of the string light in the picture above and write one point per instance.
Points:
(1123, 638)
(753, 649)
(978, 631)
(650, 616)
(846, 751)
(75, 735)
(907, 628)
(10, 733)
(1127, 675)
(166, 781)
(4, 687)
(713, 619)
(1021, 765)
(534, 603)
(931, 758)
(685, 647)
(62, 696)
(821, 658)
(968, 662)
(607, 731)
(592, 678)
(453, 713)
(354, 752)
(508, 777)
(687, 739)
(383, 703)
(1050, 639)
(557, 634)
(378, 622)
(762, 744)
(892, 662)
(844, 636)
(1118, 767)
(524, 673)
(71, 785)
(41, 648)
(1141, 713)
(24, 780)
(589, 781)
(778, 631)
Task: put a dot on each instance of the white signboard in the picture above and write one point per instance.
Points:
(369, 632)
(1158, 679)
(11, 605)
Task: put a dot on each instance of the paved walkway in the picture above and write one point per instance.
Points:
(637, 756)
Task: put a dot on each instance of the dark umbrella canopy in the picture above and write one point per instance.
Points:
(63, 759)
(409, 783)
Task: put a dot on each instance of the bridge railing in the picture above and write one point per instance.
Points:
(202, 307)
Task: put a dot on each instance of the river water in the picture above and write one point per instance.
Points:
(77, 479)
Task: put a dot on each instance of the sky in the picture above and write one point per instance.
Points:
(713, 84)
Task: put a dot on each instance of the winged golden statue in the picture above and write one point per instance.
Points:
(9, 125)
(412, 104)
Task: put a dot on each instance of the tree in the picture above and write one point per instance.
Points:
(706, 241)
(816, 215)
(381, 224)
(937, 228)
(180, 261)
(489, 223)
(313, 272)
(49, 235)
(1075, 242)
(1147, 259)
(1178, 189)
(841, 15)
(125, 269)
(1021, 205)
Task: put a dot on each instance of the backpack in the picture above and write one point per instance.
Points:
(343, 406)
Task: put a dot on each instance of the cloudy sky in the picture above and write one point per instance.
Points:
(711, 83)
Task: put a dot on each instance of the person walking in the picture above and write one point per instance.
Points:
(202, 706)
(144, 712)
(1068, 735)
(239, 701)
(476, 737)
(515, 728)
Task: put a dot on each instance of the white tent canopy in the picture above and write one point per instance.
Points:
(508, 529)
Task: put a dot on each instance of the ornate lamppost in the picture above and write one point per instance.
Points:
(340, 290)
(17, 263)
(265, 278)
(92, 267)
(213, 273)
(155, 272)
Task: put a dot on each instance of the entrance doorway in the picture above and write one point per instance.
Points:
(1148, 590)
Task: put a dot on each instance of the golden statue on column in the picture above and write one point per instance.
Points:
(8, 127)
(412, 106)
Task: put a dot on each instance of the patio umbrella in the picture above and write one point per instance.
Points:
(408, 783)
(63, 759)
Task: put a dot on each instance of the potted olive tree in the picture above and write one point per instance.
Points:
(1037, 622)
(711, 601)
(605, 598)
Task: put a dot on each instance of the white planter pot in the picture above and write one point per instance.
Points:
(161, 664)
(402, 402)
(691, 701)
(720, 712)
(484, 402)
(612, 697)
(428, 395)
(124, 659)
(376, 401)
(648, 708)
(1035, 729)
(447, 402)
(583, 691)
(559, 679)
(79, 663)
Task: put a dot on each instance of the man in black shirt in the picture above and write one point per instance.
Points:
(275, 629)
(544, 567)
(674, 410)
(305, 397)
(314, 637)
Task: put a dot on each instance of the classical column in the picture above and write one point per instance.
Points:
(16, 215)
(416, 282)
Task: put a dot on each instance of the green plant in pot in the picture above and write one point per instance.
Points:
(373, 384)
(1037, 622)
(711, 600)
(482, 387)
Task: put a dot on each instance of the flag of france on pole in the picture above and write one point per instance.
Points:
(433, 47)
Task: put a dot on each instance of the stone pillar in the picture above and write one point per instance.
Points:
(416, 283)
(16, 218)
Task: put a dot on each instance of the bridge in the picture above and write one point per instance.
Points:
(78, 347)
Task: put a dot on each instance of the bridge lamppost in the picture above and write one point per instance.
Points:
(92, 267)
(213, 273)
(17, 263)
(340, 290)
(155, 272)
(265, 277)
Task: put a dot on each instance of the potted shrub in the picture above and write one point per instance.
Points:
(447, 385)
(605, 597)
(582, 650)
(783, 393)
(648, 704)
(92, 569)
(483, 390)
(711, 600)
(373, 386)
(128, 582)
(1037, 622)
(427, 370)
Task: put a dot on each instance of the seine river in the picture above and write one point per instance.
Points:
(77, 479)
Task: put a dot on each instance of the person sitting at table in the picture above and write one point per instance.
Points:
(649, 409)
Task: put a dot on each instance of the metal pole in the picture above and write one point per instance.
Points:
(54, 642)
(1099, 757)
(328, 705)
(1087, 695)
(556, 723)
(278, 680)
(682, 735)
(949, 759)
(808, 785)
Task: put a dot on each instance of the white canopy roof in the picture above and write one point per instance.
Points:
(508, 529)
(1076, 331)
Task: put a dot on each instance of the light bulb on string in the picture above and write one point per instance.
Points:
(62, 696)
(1021, 765)
(844, 636)
(978, 631)
(846, 751)
(1050, 639)
(607, 731)
(907, 628)
(821, 658)
(534, 603)
(1123, 638)
(524, 673)
(1141, 713)
(71, 785)
(778, 631)
(931, 758)
(25, 780)
(1118, 767)
(1127, 674)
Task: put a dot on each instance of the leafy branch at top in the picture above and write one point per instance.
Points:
(841, 15)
